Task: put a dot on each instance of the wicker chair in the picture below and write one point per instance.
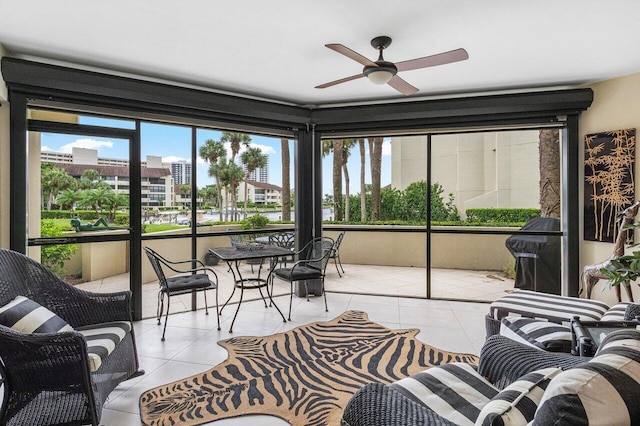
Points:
(47, 377)
(314, 257)
(502, 361)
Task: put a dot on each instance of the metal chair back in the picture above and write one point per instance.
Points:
(318, 253)
(284, 239)
(155, 260)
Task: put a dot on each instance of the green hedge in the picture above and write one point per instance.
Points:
(66, 214)
(501, 215)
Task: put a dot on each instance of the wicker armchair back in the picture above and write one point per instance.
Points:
(47, 376)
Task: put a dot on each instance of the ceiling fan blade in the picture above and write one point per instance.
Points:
(433, 60)
(342, 80)
(350, 54)
(402, 86)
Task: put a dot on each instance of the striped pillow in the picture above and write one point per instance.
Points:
(26, 316)
(604, 390)
(544, 335)
(517, 403)
(455, 391)
(616, 312)
(102, 340)
(560, 309)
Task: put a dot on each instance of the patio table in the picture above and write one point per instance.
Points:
(234, 256)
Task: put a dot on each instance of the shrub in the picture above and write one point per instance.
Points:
(490, 215)
(54, 256)
(256, 221)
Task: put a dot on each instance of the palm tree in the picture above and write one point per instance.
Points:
(363, 195)
(230, 175)
(54, 180)
(347, 144)
(235, 176)
(286, 184)
(252, 158)
(235, 140)
(68, 197)
(375, 157)
(335, 146)
(210, 152)
(115, 200)
(549, 173)
(89, 179)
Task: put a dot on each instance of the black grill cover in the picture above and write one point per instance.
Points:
(538, 264)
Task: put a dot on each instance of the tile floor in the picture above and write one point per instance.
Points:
(190, 346)
(359, 279)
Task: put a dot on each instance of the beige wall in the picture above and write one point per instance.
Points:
(616, 105)
(492, 169)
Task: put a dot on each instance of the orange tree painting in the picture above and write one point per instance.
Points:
(608, 186)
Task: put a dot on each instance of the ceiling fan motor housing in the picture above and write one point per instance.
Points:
(382, 67)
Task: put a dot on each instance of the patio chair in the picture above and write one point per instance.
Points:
(335, 253)
(315, 256)
(62, 350)
(237, 240)
(197, 280)
(284, 239)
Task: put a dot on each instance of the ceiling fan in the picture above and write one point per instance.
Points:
(381, 71)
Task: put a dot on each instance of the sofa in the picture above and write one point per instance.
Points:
(514, 384)
(62, 350)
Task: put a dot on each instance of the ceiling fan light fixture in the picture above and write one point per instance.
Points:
(380, 74)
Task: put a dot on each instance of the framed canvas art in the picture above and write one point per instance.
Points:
(608, 181)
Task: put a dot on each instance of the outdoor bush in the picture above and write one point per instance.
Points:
(67, 214)
(54, 256)
(489, 215)
(257, 221)
(121, 219)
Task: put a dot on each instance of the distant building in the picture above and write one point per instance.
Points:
(260, 174)
(260, 193)
(181, 172)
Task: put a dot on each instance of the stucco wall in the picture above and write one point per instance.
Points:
(616, 105)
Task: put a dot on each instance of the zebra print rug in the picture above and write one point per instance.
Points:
(304, 376)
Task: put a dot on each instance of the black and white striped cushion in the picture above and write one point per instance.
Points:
(26, 316)
(616, 312)
(605, 390)
(102, 340)
(544, 335)
(560, 309)
(454, 391)
(517, 403)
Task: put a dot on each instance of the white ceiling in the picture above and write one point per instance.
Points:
(274, 49)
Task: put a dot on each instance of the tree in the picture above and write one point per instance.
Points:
(97, 198)
(68, 198)
(363, 193)
(252, 158)
(235, 140)
(209, 194)
(230, 175)
(54, 256)
(375, 158)
(286, 184)
(549, 149)
(211, 151)
(335, 147)
(114, 201)
(89, 179)
(347, 144)
(53, 181)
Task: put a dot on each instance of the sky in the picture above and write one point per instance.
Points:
(173, 144)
